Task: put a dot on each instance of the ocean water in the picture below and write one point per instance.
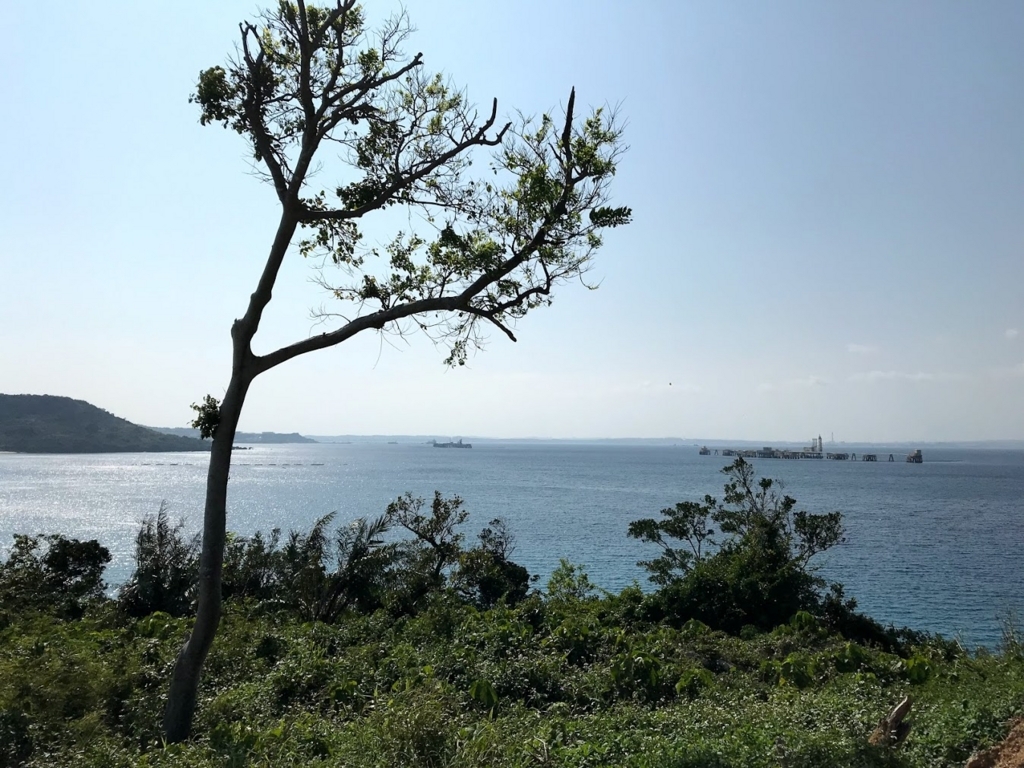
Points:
(935, 546)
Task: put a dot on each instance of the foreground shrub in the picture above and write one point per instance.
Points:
(51, 574)
(166, 567)
(760, 575)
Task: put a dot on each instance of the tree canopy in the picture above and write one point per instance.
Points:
(497, 235)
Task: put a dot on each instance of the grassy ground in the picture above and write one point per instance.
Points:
(566, 683)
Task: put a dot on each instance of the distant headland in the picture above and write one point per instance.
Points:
(267, 438)
(50, 424)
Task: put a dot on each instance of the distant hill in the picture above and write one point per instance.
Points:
(48, 424)
(242, 437)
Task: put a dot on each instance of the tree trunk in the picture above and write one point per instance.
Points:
(181, 698)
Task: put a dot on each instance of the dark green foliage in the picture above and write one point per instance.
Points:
(1011, 641)
(759, 576)
(688, 521)
(253, 567)
(487, 573)
(15, 739)
(559, 681)
(744, 583)
(364, 568)
(840, 615)
(436, 547)
(570, 584)
(166, 566)
(325, 578)
(207, 416)
(322, 575)
(51, 574)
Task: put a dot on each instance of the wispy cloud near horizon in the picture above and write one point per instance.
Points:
(1011, 333)
(650, 387)
(1011, 372)
(805, 382)
(873, 376)
(862, 349)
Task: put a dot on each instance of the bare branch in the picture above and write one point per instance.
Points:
(492, 316)
(411, 176)
(254, 114)
(376, 321)
(305, 53)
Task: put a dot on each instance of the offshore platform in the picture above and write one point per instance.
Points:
(816, 450)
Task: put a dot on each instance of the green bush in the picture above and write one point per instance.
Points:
(166, 567)
(51, 574)
(486, 573)
(759, 576)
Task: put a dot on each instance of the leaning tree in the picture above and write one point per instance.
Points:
(316, 89)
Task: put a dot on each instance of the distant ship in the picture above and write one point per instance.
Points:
(705, 451)
(459, 444)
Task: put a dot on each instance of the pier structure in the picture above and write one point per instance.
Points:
(814, 451)
(451, 444)
(771, 453)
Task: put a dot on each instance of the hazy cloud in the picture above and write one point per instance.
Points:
(807, 382)
(1012, 372)
(1011, 333)
(861, 349)
(651, 387)
(872, 376)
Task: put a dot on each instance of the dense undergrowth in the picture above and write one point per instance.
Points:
(367, 651)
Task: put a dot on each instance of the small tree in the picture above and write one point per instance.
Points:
(52, 573)
(308, 77)
(436, 548)
(760, 573)
(253, 566)
(688, 521)
(487, 573)
(166, 564)
(324, 580)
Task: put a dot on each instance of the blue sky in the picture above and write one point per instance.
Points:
(828, 232)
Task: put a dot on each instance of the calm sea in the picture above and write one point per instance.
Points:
(935, 546)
